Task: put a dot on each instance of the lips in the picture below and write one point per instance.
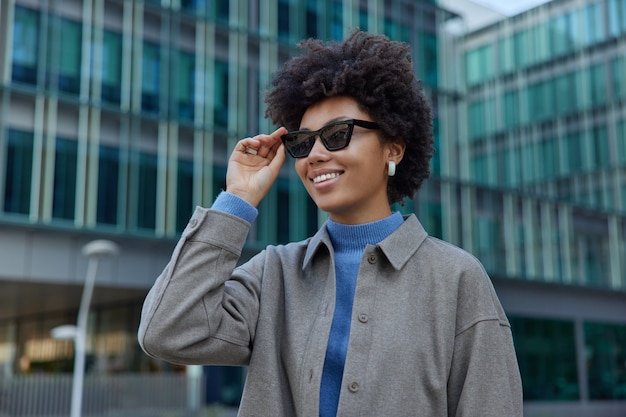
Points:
(325, 177)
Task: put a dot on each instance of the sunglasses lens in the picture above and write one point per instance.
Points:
(336, 136)
(299, 144)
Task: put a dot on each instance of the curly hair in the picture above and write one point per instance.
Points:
(378, 74)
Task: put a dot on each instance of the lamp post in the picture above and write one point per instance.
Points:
(94, 250)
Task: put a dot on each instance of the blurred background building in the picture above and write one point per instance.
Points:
(117, 118)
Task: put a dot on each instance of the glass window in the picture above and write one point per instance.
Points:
(560, 41)
(606, 355)
(511, 109)
(283, 19)
(618, 69)
(220, 92)
(184, 193)
(546, 353)
(621, 143)
(574, 152)
(336, 20)
(593, 25)
(600, 147)
(185, 85)
(597, 82)
(476, 120)
(150, 77)
(108, 172)
(565, 94)
(111, 67)
(64, 193)
(147, 191)
(522, 48)
(70, 56)
(311, 19)
(617, 16)
(479, 64)
(18, 172)
(507, 62)
(25, 45)
(282, 209)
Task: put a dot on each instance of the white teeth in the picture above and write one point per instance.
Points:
(325, 177)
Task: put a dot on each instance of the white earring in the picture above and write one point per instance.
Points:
(391, 169)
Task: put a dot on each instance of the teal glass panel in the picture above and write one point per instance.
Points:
(430, 59)
(621, 143)
(479, 64)
(336, 20)
(574, 152)
(185, 85)
(566, 94)
(597, 83)
(70, 52)
(476, 120)
(549, 159)
(111, 67)
(593, 30)
(540, 101)
(220, 94)
(560, 40)
(505, 53)
(605, 347)
(25, 45)
(510, 111)
(522, 48)
(283, 19)
(184, 193)
(108, 174)
(600, 147)
(147, 190)
(64, 192)
(312, 19)
(18, 171)
(282, 208)
(546, 354)
(618, 78)
(150, 77)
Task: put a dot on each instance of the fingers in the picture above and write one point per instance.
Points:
(262, 145)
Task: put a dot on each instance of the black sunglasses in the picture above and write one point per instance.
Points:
(334, 136)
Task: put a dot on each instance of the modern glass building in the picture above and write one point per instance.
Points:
(117, 117)
(536, 157)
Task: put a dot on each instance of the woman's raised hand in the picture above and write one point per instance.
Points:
(254, 165)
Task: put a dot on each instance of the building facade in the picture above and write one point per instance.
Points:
(539, 186)
(117, 117)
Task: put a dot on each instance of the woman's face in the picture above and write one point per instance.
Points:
(350, 184)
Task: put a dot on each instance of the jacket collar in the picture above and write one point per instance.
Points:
(397, 247)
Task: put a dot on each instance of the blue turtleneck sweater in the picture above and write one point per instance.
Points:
(349, 242)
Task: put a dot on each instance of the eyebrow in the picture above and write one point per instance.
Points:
(331, 121)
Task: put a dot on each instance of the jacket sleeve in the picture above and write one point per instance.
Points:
(484, 376)
(199, 311)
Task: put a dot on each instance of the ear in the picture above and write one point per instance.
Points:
(395, 151)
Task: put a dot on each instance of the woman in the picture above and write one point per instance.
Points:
(369, 317)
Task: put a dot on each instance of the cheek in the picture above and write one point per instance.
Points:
(300, 166)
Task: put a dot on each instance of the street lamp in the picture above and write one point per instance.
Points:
(94, 250)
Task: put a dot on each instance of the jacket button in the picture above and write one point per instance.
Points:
(353, 386)
(371, 258)
(193, 222)
(363, 318)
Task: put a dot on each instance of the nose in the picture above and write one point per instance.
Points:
(318, 151)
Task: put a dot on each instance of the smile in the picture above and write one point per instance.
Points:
(325, 177)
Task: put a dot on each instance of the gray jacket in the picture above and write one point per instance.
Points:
(428, 337)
